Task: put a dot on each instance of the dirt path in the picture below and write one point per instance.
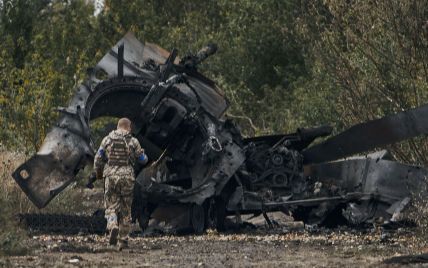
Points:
(261, 249)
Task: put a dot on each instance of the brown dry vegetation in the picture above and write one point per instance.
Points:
(14, 201)
(419, 211)
(13, 198)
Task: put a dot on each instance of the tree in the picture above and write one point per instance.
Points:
(259, 58)
(376, 53)
(42, 64)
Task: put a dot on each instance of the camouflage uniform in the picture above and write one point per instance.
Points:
(116, 156)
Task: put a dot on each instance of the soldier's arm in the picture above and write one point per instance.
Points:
(138, 152)
(100, 159)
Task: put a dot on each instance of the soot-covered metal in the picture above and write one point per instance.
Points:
(200, 161)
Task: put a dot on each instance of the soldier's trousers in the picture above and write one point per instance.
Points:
(118, 199)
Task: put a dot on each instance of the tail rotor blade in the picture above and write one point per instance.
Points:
(372, 134)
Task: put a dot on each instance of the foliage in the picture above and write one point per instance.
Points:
(11, 199)
(376, 54)
(40, 69)
(283, 65)
(258, 48)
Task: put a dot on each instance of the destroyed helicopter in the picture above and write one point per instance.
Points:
(203, 165)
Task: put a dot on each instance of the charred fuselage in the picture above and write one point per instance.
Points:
(201, 162)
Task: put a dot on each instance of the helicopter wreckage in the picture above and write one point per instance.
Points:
(200, 162)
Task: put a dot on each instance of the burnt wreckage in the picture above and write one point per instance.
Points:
(200, 161)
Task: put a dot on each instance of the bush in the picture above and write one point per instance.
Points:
(12, 199)
(419, 210)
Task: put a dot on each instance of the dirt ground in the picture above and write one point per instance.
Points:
(251, 248)
(287, 245)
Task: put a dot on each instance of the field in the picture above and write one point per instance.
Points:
(258, 249)
(288, 245)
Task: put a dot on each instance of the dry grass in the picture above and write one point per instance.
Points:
(11, 200)
(14, 201)
(419, 210)
(10, 194)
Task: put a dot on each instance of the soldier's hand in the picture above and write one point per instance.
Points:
(90, 185)
(92, 178)
(98, 175)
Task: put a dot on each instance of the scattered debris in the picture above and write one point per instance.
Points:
(65, 224)
(408, 259)
(343, 246)
(75, 259)
(204, 168)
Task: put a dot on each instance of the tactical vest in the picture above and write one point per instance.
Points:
(119, 153)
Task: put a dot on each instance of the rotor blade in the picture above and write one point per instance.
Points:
(369, 135)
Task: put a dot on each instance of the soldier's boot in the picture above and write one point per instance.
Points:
(114, 232)
(112, 226)
(123, 244)
(125, 228)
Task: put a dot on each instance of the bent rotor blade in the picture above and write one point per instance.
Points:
(369, 135)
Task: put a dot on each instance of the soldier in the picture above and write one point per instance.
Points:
(114, 161)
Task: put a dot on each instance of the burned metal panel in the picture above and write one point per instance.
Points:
(232, 159)
(154, 180)
(156, 53)
(383, 184)
(211, 100)
(386, 180)
(394, 180)
(117, 97)
(369, 135)
(296, 141)
(136, 55)
(151, 181)
(63, 153)
(134, 59)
